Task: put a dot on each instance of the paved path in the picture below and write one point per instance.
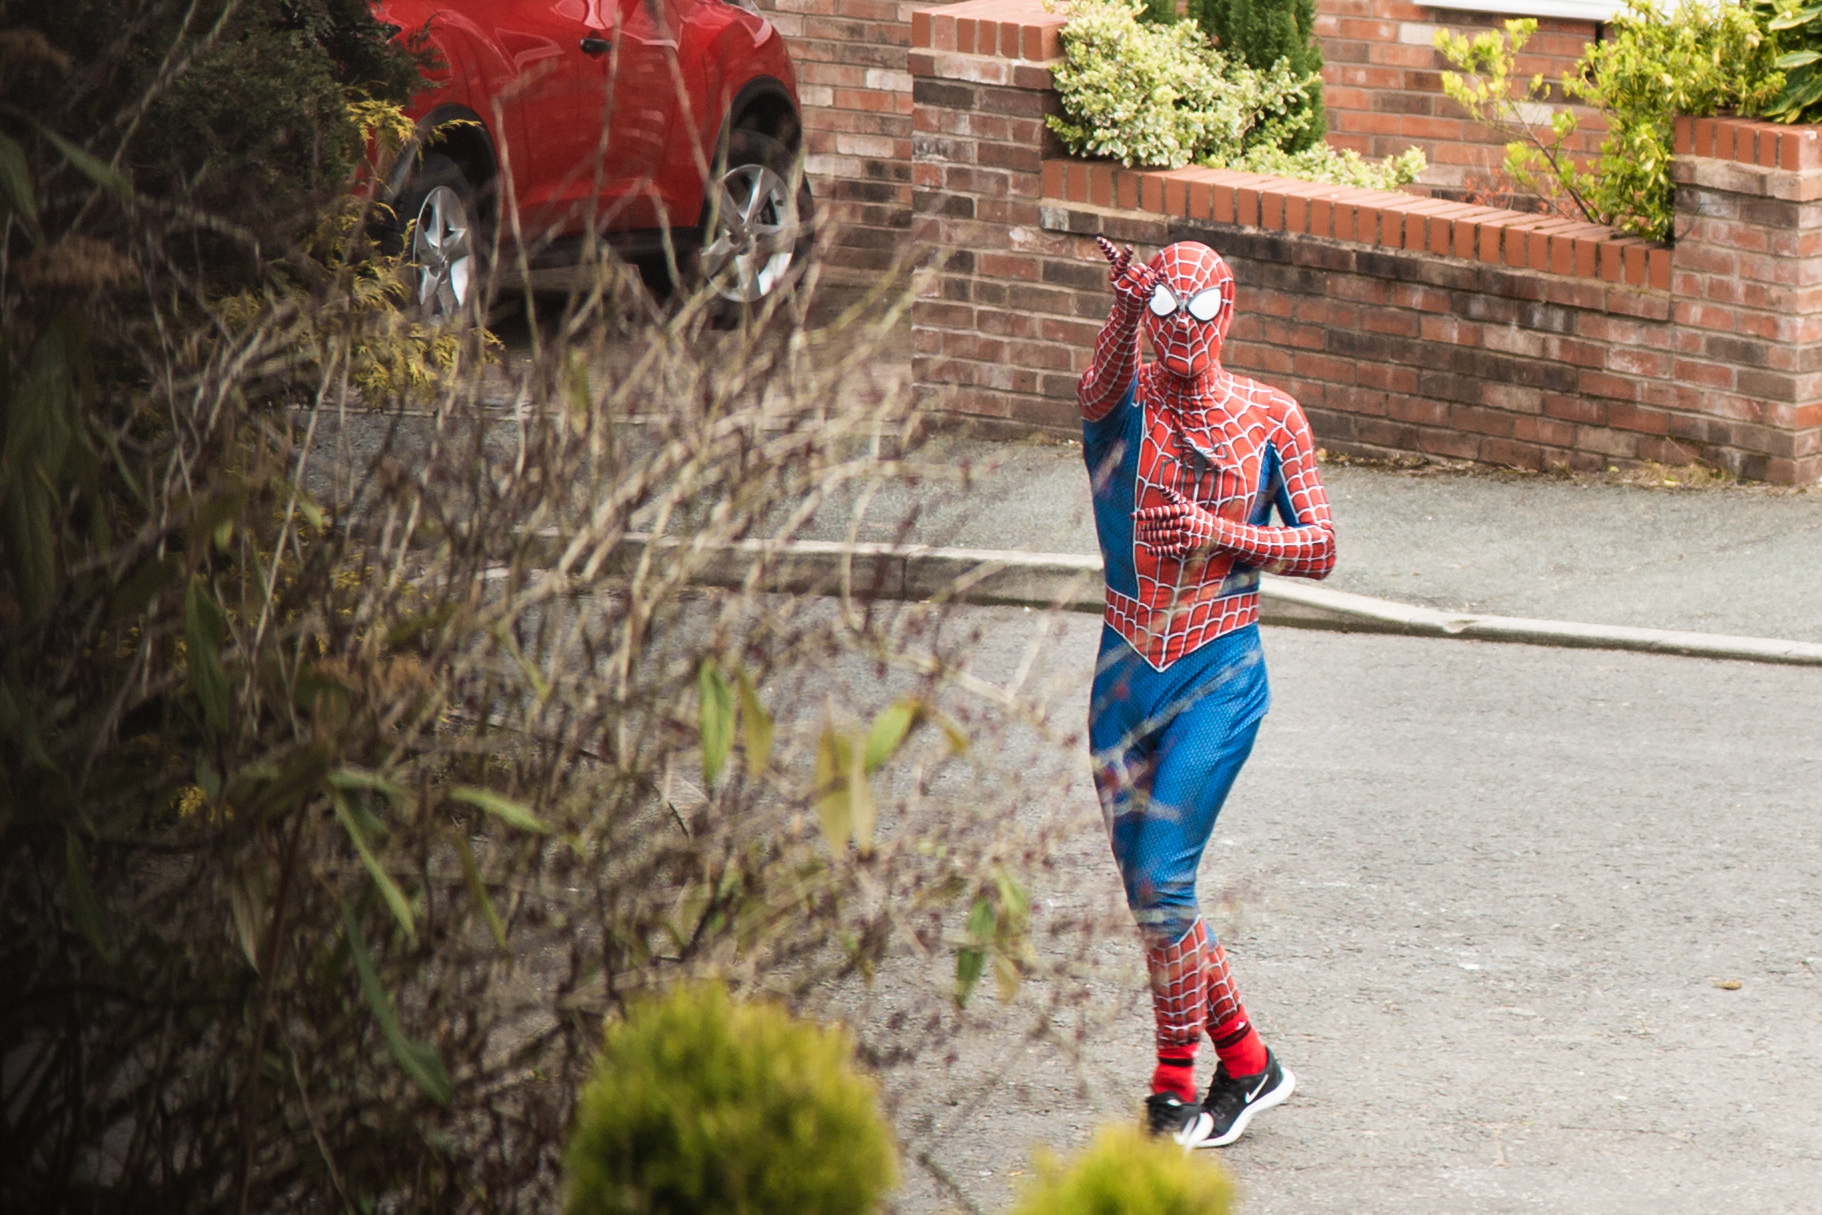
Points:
(1741, 560)
(1478, 896)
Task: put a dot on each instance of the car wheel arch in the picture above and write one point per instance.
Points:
(460, 134)
(765, 105)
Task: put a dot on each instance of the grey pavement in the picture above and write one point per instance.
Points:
(1482, 900)
(1743, 560)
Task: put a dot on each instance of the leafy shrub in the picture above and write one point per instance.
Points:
(1343, 167)
(248, 122)
(1125, 1172)
(1653, 66)
(1796, 29)
(342, 726)
(1262, 32)
(1155, 94)
(1161, 94)
(701, 1106)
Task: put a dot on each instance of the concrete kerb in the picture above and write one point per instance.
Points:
(1072, 582)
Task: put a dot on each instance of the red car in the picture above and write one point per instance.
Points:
(667, 129)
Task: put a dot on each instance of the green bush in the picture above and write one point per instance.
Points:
(239, 107)
(1697, 59)
(702, 1106)
(1262, 32)
(1795, 29)
(1146, 93)
(1126, 1172)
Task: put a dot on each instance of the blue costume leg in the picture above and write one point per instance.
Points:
(1168, 747)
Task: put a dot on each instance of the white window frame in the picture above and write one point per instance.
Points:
(1598, 11)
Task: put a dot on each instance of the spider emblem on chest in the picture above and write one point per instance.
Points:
(1217, 469)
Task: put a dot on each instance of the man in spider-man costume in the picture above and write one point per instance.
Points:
(1188, 461)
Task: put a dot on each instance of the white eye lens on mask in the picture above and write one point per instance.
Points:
(1204, 305)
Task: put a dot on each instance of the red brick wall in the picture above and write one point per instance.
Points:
(856, 95)
(1382, 89)
(1382, 86)
(1401, 323)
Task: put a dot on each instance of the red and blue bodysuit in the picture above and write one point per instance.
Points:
(1188, 463)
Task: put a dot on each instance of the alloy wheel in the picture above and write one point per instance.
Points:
(754, 236)
(442, 248)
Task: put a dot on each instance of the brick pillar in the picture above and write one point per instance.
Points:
(996, 327)
(856, 96)
(1747, 277)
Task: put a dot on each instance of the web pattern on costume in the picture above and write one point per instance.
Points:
(1223, 994)
(1116, 347)
(1184, 345)
(1217, 452)
(1179, 989)
(1192, 990)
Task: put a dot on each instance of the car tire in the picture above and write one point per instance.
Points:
(756, 222)
(440, 221)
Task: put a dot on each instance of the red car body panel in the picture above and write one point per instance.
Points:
(621, 135)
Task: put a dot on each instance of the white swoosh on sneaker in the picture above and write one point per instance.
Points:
(1258, 1088)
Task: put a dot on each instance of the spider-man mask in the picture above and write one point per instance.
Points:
(1191, 307)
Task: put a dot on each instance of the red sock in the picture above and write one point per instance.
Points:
(1239, 1045)
(1176, 1074)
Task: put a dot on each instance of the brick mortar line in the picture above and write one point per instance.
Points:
(1072, 582)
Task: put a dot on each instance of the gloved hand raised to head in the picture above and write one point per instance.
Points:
(1132, 282)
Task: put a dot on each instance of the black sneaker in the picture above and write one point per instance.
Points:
(1168, 1114)
(1233, 1100)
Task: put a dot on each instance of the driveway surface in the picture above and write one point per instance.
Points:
(1480, 898)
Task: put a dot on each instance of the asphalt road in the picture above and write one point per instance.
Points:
(1479, 898)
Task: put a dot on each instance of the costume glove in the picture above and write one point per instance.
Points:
(1178, 528)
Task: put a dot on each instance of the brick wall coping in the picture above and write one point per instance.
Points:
(1008, 29)
(1371, 217)
(1770, 145)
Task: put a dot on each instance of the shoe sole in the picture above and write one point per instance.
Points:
(1277, 1096)
(1195, 1135)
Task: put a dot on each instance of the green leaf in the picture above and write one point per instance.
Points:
(970, 963)
(971, 959)
(756, 722)
(131, 596)
(419, 1059)
(83, 905)
(97, 171)
(1797, 59)
(833, 810)
(207, 778)
(863, 812)
(204, 629)
(16, 181)
(389, 889)
(471, 873)
(1013, 899)
(507, 811)
(717, 718)
(360, 778)
(250, 910)
(212, 514)
(889, 729)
